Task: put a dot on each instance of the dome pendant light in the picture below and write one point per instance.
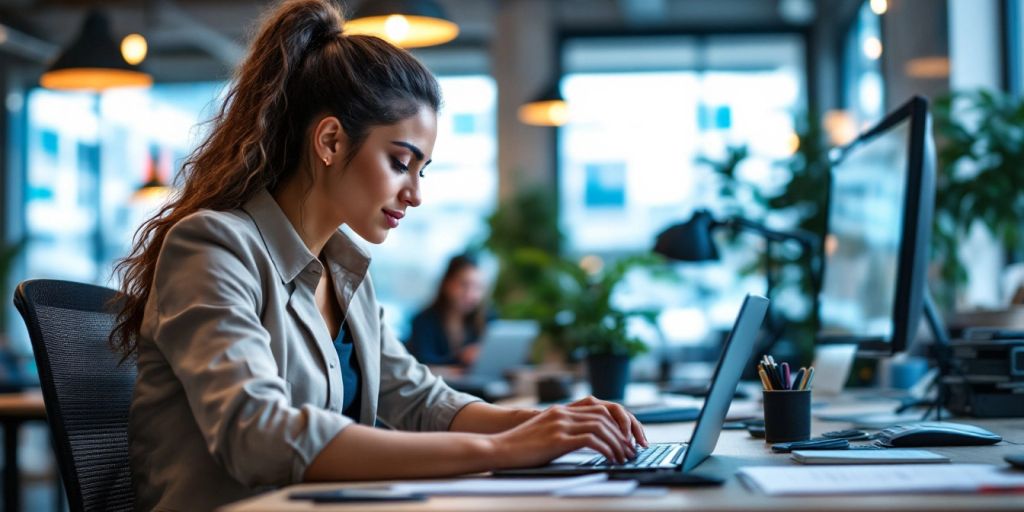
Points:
(404, 23)
(547, 109)
(93, 61)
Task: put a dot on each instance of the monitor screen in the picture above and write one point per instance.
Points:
(879, 219)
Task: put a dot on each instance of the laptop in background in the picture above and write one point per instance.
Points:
(505, 345)
(736, 354)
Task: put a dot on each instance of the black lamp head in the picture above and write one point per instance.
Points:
(93, 61)
(689, 241)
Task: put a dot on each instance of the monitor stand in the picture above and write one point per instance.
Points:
(942, 352)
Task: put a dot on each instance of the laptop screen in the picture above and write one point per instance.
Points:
(736, 354)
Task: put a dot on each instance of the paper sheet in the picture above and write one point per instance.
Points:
(880, 479)
(600, 489)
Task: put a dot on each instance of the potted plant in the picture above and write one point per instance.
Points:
(595, 326)
(980, 176)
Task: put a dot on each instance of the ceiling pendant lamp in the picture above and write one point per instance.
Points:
(404, 23)
(154, 189)
(547, 109)
(93, 61)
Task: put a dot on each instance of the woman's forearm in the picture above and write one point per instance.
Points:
(484, 418)
(364, 453)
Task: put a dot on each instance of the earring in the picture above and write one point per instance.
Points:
(326, 161)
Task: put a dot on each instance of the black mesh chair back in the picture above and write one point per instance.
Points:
(87, 393)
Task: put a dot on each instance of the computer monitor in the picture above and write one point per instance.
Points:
(876, 247)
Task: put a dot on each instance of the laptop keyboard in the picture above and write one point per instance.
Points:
(650, 457)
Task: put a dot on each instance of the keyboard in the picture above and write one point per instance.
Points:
(655, 456)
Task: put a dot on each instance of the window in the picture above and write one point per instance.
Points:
(862, 69)
(645, 112)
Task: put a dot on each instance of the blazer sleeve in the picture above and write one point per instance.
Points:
(411, 397)
(208, 303)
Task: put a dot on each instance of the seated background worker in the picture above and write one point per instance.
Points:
(447, 331)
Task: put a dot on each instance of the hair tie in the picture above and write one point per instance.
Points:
(322, 37)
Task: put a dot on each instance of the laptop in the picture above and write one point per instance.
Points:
(681, 456)
(505, 345)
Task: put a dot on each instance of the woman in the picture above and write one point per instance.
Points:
(447, 331)
(262, 357)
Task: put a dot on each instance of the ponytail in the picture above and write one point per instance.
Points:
(300, 65)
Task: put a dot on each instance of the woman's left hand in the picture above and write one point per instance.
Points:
(628, 424)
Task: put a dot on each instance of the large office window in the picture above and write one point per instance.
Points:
(645, 113)
(86, 154)
(863, 86)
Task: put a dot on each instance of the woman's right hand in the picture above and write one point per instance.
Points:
(559, 430)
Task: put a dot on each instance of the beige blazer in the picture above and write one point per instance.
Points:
(239, 386)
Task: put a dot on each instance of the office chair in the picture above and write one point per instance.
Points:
(86, 392)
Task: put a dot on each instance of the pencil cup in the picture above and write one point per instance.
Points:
(787, 416)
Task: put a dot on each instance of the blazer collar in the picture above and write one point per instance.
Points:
(289, 252)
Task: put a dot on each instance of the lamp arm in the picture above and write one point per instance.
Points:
(807, 240)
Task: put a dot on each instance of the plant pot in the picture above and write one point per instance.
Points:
(608, 375)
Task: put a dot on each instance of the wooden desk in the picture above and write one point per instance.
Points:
(735, 449)
(15, 409)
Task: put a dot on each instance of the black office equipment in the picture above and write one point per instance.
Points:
(935, 433)
(680, 456)
(811, 444)
(989, 378)
(86, 391)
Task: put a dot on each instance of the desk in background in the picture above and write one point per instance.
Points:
(15, 409)
(735, 449)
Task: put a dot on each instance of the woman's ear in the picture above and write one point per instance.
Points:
(329, 140)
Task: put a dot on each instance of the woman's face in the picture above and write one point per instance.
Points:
(374, 190)
(465, 290)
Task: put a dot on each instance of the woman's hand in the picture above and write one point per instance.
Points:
(589, 423)
(628, 424)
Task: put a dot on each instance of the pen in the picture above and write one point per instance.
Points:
(770, 372)
(785, 376)
(777, 375)
(764, 379)
(798, 379)
(809, 378)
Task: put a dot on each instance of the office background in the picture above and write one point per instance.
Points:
(661, 94)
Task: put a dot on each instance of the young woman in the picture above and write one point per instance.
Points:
(447, 331)
(262, 358)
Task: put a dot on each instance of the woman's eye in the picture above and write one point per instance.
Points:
(422, 175)
(398, 165)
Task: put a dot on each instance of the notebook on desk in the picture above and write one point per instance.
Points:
(680, 455)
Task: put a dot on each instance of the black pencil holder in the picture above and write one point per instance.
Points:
(787, 416)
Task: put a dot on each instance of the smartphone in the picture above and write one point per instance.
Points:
(356, 495)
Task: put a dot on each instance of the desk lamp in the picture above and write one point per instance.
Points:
(692, 241)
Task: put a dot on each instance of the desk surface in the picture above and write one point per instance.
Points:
(735, 449)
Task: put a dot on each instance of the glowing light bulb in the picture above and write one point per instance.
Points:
(879, 6)
(134, 49)
(872, 48)
(397, 28)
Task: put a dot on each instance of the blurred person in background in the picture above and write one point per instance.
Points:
(447, 331)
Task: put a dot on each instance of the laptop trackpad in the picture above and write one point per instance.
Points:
(577, 457)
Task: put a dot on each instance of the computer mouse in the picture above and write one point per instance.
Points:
(1016, 461)
(936, 433)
